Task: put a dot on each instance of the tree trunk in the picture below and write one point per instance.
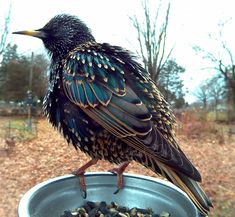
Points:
(231, 104)
(216, 109)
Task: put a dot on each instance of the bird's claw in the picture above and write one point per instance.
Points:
(119, 179)
(114, 171)
(84, 194)
(117, 191)
(83, 185)
(80, 174)
(119, 172)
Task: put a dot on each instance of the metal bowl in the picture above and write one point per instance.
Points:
(51, 198)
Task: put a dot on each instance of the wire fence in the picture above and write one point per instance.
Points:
(20, 130)
(14, 130)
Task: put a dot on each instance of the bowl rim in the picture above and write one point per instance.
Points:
(23, 207)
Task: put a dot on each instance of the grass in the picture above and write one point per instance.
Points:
(221, 116)
(17, 129)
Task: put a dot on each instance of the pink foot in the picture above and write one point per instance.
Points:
(80, 173)
(119, 172)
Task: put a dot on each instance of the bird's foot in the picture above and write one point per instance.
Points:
(82, 182)
(119, 172)
(80, 173)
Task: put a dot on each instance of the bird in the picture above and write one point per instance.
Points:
(105, 103)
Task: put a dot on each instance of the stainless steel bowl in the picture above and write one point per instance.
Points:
(51, 198)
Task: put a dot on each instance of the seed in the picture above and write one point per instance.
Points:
(102, 209)
(164, 214)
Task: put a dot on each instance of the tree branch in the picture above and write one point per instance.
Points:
(152, 45)
(5, 31)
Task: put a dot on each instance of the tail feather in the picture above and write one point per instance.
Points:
(190, 187)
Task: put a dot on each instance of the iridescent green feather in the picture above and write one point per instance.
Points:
(90, 97)
(93, 78)
(101, 93)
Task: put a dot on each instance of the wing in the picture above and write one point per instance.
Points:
(94, 78)
(90, 78)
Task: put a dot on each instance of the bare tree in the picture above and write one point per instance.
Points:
(4, 31)
(224, 68)
(152, 39)
(216, 91)
(202, 95)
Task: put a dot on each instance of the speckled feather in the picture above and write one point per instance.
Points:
(130, 108)
(105, 103)
(106, 67)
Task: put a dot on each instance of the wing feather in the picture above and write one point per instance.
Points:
(97, 85)
(132, 110)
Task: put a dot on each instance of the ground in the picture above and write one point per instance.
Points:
(27, 163)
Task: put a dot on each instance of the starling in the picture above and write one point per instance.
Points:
(105, 103)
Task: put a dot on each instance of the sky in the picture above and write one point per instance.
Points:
(190, 24)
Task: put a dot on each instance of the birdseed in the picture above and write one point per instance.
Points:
(102, 209)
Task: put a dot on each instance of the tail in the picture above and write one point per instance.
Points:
(190, 187)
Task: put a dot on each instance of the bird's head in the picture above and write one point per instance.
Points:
(61, 34)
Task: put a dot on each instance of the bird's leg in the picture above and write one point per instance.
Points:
(119, 171)
(80, 173)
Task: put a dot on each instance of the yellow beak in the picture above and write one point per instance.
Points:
(34, 33)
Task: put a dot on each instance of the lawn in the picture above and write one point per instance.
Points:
(18, 128)
(47, 155)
